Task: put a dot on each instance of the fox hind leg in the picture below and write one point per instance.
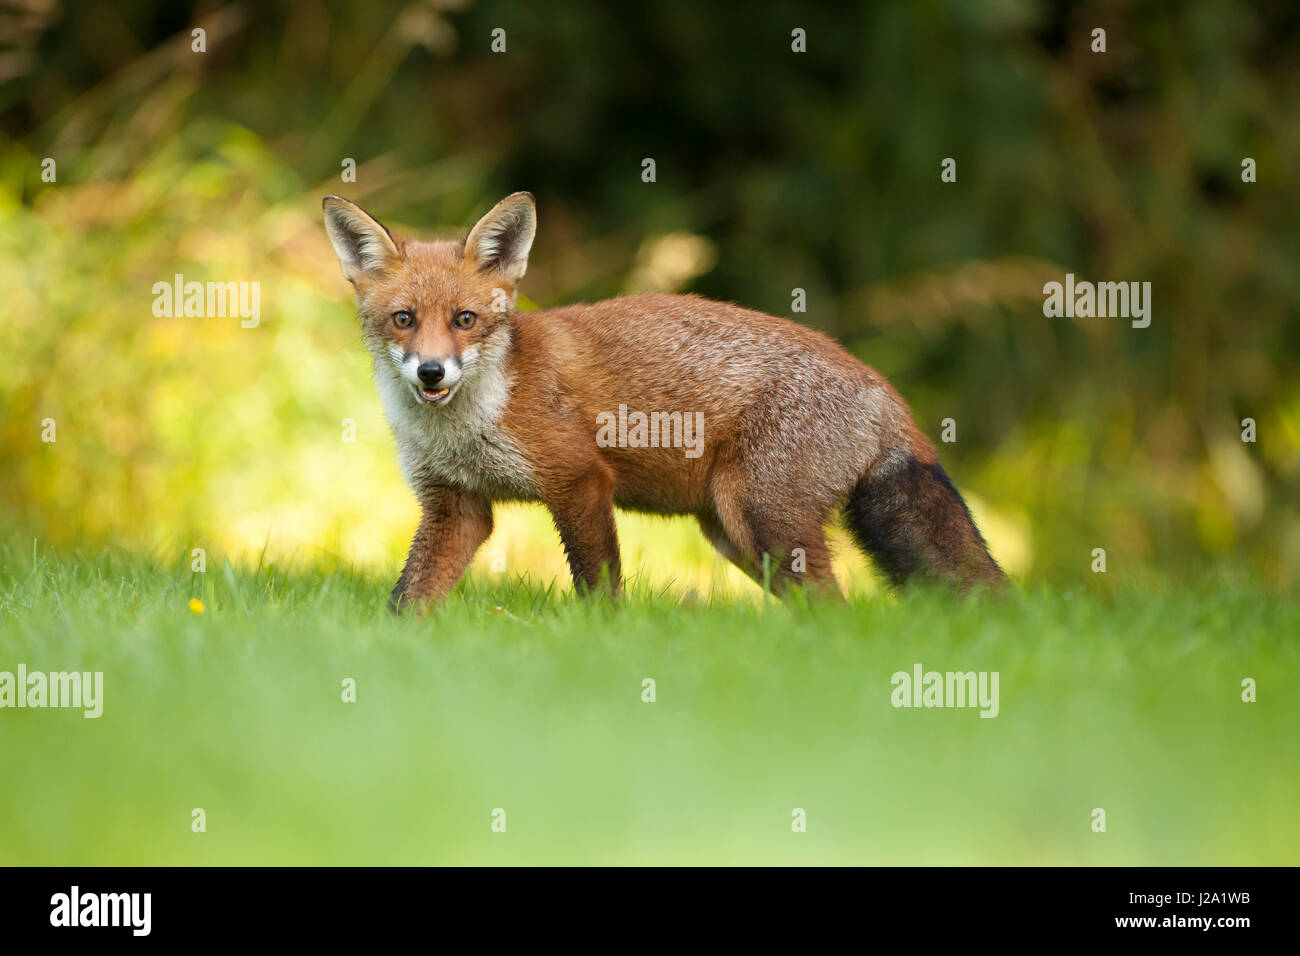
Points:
(796, 550)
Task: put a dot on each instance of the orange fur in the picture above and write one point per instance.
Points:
(794, 426)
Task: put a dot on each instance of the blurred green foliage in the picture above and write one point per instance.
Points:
(818, 171)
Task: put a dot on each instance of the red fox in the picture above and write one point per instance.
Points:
(489, 404)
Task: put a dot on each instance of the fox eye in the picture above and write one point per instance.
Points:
(464, 319)
(403, 320)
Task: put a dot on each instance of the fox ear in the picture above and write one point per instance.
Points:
(501, 239)
(363, 245)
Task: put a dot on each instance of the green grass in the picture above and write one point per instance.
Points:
(1130, 702)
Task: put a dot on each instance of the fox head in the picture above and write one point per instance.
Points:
(434, 312)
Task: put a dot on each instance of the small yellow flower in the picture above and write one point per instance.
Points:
(196, 605)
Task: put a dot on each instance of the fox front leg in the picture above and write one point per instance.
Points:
(453, 524)
(583, 510)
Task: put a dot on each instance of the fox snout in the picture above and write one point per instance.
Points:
(429, 373)
(432, 378)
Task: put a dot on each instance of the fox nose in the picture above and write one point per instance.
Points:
(429, 373)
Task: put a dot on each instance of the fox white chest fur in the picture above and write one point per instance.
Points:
(462, 444)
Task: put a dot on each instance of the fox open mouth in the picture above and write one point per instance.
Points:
(432, 396)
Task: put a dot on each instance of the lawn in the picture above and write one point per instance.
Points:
(520, 697)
